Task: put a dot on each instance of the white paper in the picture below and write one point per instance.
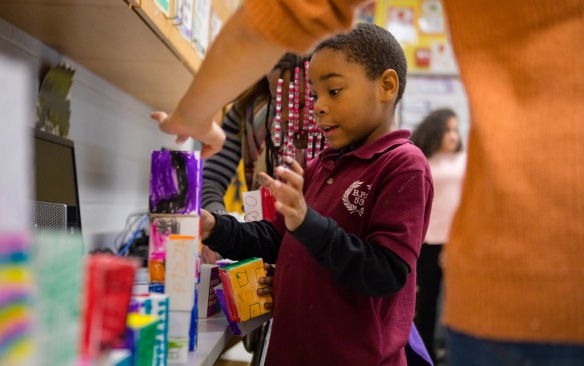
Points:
(15, 145)
(252, 206)
(201, 19)
(400, 23)
(215, 27)
(185, 17)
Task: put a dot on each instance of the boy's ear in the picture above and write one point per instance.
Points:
(389, 85)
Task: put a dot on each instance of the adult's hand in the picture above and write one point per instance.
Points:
(211, 135)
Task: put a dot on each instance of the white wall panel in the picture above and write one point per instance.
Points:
(113, 137)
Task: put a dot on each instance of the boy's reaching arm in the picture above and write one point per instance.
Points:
(236, 240)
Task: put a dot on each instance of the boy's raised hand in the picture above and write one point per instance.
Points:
(289, 197)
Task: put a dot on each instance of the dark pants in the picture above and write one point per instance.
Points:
(465, 350)
(429, 279)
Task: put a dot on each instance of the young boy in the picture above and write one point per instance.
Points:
(349, 230)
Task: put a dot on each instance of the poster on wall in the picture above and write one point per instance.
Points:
(201, 20)
(365, 13)
(431, 19)
(421, 28)
(166, 7)
(184, 17)
(215, 26)
(400, 23)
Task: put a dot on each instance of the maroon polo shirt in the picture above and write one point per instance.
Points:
(382, 194)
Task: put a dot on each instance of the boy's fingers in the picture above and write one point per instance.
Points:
(264, 180)
(294, 179)
(293, 165)
(269, 269)
(264, 291)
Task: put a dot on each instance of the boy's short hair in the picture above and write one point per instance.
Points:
(374, 48)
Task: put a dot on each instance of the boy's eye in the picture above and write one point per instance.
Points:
(334, 91)
(314, 97)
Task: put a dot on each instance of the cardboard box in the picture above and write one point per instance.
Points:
(240, 328)
(240, 285)
(157, 305)
(175, 182)
(207, 302)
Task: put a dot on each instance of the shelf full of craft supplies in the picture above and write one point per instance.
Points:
(133, 44)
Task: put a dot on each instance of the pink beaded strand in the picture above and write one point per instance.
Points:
(318, 143)
(278, 117)
(290, 141)
(296, 100)
(307, 106)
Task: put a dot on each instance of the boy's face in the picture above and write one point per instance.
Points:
(349, 108)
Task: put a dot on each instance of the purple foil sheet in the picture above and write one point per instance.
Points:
(175, 182)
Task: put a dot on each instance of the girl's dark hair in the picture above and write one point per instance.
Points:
(287, 63)
(259, 90)
(428, 135)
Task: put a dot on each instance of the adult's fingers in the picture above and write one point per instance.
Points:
(213, 141)
(159, 116)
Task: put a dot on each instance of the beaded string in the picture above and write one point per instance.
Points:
(307, 106)
(296, 121)
(312, 130)
(290, 150)
(284, 143)
(278, 118)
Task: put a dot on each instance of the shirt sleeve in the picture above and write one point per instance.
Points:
(298, 24)
(236, 240)
(220, 169)
(359, 265)
(399, 219)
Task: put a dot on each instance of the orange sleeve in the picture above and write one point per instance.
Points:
(298, 24)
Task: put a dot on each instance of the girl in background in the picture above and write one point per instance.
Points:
(439, 139)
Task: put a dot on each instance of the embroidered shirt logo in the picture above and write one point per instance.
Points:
(354, 198)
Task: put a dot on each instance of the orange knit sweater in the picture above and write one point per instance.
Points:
(514, 268)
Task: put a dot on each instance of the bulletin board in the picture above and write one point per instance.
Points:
(421, 28)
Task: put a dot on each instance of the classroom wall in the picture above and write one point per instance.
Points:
(424, 94)
(113, 137)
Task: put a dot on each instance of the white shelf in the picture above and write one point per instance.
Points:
(213, 335)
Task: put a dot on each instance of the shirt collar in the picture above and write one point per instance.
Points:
(378, 146)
